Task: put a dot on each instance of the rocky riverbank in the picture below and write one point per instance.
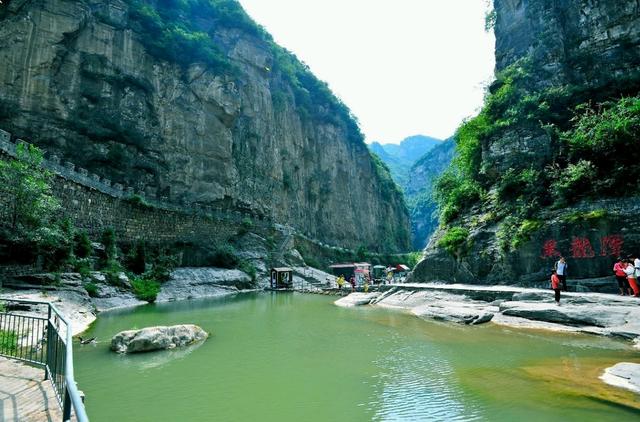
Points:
(73, 300)
(69, 293)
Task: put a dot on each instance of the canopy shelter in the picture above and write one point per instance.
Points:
(345, 270)
(379, 271)
(402, 268)
(281, 278)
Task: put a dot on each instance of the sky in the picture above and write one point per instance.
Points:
(404, 67)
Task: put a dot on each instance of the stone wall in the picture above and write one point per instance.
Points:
(95, 204)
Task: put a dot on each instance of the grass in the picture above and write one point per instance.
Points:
(92, 289)
(8, 341)
(584, 216)
(145, 289)
(454, 240)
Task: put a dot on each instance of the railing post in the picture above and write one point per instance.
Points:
(66, 408)
(46, 361)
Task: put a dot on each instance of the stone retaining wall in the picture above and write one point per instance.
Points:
(95, 204)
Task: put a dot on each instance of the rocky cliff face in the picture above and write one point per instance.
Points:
(414, 164)
(79, 80)
(559, 54)
(419, 192)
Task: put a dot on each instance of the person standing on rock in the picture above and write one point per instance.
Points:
(621, 276)
(561, 272)
(630, 271)
(555, 285)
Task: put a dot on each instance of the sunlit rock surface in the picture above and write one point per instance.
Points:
(157, 338)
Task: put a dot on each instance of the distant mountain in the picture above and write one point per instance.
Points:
(415, 163)
(419, 188)
(401, 157)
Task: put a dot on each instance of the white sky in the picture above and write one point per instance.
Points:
(404, 67)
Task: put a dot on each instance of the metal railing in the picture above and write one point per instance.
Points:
(45, 342)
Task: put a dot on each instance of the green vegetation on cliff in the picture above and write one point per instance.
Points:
(188, 31)
(594, 145)
(31, 214)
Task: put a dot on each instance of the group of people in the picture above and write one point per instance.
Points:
(341, 281)
(626, 271)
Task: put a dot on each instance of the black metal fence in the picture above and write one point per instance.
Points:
(37, 333)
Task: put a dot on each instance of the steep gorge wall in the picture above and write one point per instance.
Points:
(78, 81)
(591, 49)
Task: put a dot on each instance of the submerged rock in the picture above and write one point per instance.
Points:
(157, 338)
(624, 375)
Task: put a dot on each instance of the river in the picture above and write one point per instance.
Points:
(295, 357)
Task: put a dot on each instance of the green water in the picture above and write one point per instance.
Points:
(291, 357)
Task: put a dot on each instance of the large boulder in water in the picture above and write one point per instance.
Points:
(157, 338)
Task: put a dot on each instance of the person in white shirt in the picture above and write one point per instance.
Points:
(561, 272)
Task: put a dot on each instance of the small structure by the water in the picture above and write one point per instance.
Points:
(379, 272)
(281, 278)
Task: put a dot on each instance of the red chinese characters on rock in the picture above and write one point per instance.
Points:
(581, 247)
(549, 249)
(611, 245)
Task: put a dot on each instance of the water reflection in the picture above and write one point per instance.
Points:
(415, 383)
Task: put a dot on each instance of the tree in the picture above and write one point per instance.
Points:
(29, 205)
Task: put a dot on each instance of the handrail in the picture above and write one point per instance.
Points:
(70, 398)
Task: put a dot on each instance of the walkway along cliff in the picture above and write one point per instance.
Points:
(550, 165)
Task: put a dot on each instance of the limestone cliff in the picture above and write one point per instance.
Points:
(419, 192)
(530, 189)
(239, 123)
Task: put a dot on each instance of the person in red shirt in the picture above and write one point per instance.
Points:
(621, 276)
(555, 285)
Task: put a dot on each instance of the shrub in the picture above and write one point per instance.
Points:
(145, 289)
(245, 226)
(57, 246)
(138, 201)
(583, 216)
(82, 247)
(92, 289)
(136, 258)
(162, 266)
(248, 268)
(83, 266)
(361, 253)
(112, 272)
(8, 341)
(454, 192)
(454, 241)
(173, 35)
(606, 132)
(573, 182)
(606, 137)
(413, 258)
(524, 232)
(109, 242)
